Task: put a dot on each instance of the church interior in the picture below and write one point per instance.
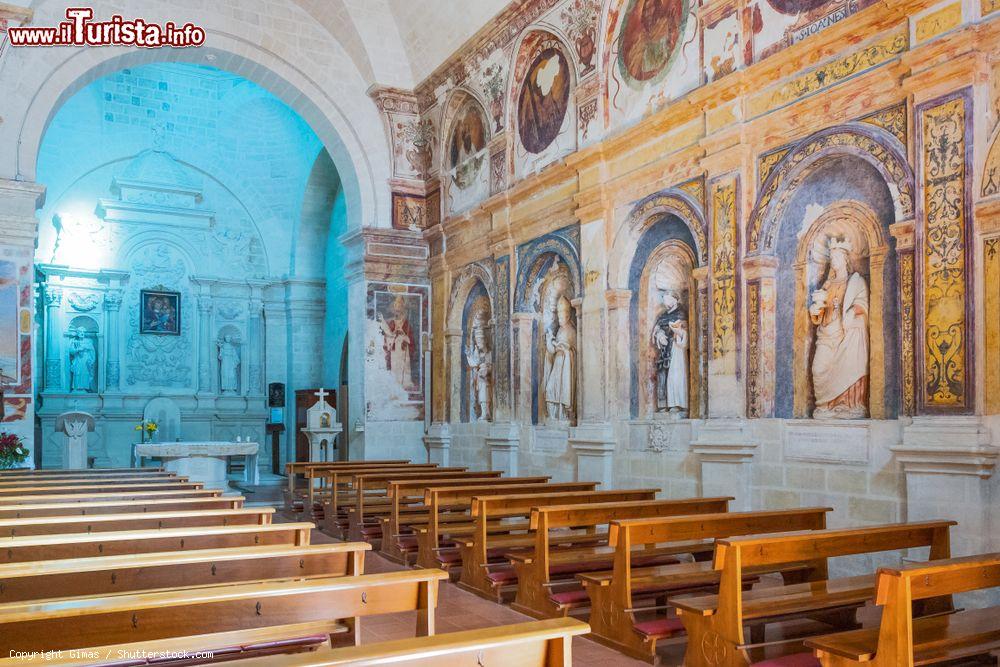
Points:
(500, 333)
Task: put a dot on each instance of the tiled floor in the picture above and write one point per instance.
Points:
(460, 610)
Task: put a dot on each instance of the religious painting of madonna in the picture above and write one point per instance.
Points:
(161, 313)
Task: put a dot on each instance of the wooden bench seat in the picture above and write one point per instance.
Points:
(109, 486)
(536, 644)
(93, 621)
(475, 550)
(937, 638)
(37, 472)
(90, 480)
(54, 547)
(328, 484)
(295, 468)
(91, 508)
(539, 566)
(720, 620)
(127, 495)
(54, 525)
(113, 575)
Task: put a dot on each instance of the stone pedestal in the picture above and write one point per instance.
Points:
(948, 462)
(76, 426)
(438, 443)
(594, 446)
(725, 451)
(503, 442)
(323, 443)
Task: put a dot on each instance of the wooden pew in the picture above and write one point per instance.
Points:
(437, 499)
(718, 621)
(73, 475)
(614, 596)
(140, 617)
(535, 644)
(29, 472)
(114, 575)
(18, 492)
(91, 508)
(406, 509)
(540, 568)
(370, 496)
(294, 468)
(937, 636)
(475, 549)
(53, 547)
(90, 481)
(56, 525)
(121, 496)
(328, 483)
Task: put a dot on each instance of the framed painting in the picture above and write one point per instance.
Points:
(160, 313)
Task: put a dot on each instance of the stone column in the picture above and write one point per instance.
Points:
(438, 443)
(759, 272)
(206, 357)
(53, 327)
(948, 463)
(453, 373)
(112, 309)
(255, 343)
(725, 450)
(523, 324)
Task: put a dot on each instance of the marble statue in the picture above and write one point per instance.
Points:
(670, 338)
(479, 357)
(397, 343)
(560, 364)
(839, 311)
(229, 365)
(82, 362)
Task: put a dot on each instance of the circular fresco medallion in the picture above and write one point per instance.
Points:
(650, 38)
(794, 7)
(543, 101)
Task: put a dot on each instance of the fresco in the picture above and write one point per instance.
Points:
(777, 24)
(466, 158)
(9, 335)
(650, 34)
(397, 320)
(544, 98)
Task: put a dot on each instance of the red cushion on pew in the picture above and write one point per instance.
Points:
(449, 557)
(407, 541)
(661, 627)
(502, 576)
(793, 660)
(570, 597)
(371, 531)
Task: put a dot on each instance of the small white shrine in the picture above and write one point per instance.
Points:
(322, 428)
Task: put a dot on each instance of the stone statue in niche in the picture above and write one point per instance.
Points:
(839, 311)
(670, 338)
(479, 357)
(560, 364)
(82, 362)
(229, 365)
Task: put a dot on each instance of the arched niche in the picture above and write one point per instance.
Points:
(471, 305)
(464, 154)
(541, 103)
(547, 322)
(83, 354)
(663, 263)
(229, 360)
(843, 201)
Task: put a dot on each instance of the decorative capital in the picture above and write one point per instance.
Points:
(112, 300)
(53, 296)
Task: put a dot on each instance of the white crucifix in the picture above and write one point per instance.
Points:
(321, 395)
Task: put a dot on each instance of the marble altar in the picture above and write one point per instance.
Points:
(202, 461)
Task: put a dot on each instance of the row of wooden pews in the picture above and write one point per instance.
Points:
(101, 567)
(734, 588)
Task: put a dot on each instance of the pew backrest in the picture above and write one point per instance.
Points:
(119, 507)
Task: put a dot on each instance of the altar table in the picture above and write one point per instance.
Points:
(202, 461)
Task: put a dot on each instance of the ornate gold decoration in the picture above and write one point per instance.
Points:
(935, 23)
(989, 6)
(991, 175)
(724, 249)
(696, 188)
(753, 350)
(907, 322)
(833, 72)
(945, 371)
(891, 119)
(669, 201)
(767, 162)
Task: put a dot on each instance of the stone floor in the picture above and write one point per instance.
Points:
(458, 609)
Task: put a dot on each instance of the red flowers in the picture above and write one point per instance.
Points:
(12, 451)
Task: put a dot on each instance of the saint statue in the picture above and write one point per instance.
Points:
(839, 312)
(560, 364)
(229, 365)
(479, 357)
(82, 362)
(670, 338)
(397, 343)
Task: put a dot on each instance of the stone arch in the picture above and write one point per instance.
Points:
(530, 270)
(646, 213)
(459, 102)
(351, 130)
(874, 145)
